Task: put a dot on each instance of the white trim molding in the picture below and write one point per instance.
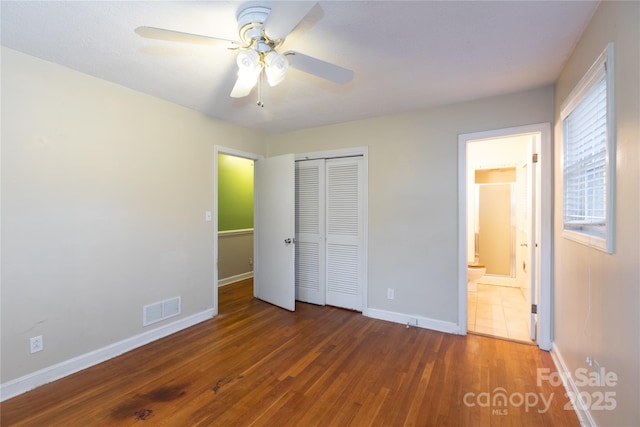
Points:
(413, 320)
(329, 154)
(234, 279)
(55, 372)
(582, 411)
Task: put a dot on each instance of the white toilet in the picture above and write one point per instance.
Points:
(474, 273)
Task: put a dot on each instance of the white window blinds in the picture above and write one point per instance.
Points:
(588, 156)
(585, 155)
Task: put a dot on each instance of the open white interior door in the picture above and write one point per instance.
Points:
(274, 228)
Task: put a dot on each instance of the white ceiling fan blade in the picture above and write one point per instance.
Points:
(180, 37)
(242, 88)
(245, 83)
(320, 68)
(285, 16)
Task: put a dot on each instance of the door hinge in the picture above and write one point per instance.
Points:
(534, 308)
(534, 158)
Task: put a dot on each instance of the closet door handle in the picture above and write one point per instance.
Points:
(289, 241)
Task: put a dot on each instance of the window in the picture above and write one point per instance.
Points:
(588, 157)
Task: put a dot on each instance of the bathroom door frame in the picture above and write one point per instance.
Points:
(544, 220)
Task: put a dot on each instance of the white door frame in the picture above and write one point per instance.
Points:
(217, 149)
(545, 221)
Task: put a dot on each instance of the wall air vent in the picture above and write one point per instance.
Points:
(152, 313)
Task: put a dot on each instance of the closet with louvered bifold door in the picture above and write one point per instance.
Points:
(329, 266)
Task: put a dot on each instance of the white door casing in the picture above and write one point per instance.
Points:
(542, 273)
(532, 234)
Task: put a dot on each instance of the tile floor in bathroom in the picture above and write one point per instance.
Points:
(501, 311)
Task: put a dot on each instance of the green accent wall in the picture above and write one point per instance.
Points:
(235, 193)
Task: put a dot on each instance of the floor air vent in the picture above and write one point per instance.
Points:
(152, 313)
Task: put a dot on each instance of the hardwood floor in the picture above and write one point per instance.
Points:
(256, 364)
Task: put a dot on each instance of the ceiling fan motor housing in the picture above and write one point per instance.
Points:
(250, 28)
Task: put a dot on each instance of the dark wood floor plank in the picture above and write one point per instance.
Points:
(255, 364)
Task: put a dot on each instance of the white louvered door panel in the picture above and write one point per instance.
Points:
(344, 234)
(310, 206)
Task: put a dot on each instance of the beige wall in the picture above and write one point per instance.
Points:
(235, 256)
(609, 330)
(104, 193)
(413, 191)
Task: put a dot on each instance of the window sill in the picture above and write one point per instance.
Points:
(588, 240)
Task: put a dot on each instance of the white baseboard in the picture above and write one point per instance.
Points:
(35, 379)
(233, 279)
(584, 415)
(413, 320)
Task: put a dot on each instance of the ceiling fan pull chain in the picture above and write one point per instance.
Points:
(260, 81)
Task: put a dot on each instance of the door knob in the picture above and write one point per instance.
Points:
(289, 241)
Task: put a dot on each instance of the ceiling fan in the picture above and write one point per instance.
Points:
(261, 31)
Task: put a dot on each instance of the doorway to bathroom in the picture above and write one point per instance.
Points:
(504, 257)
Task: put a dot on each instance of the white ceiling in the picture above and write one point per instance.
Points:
(406, 55)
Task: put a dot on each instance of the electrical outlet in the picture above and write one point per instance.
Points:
(390, 293)
(250, 261)
(36, 344)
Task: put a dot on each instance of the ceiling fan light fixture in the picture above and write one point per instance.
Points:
(248, 61)
(276, 67)
(249, 68)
